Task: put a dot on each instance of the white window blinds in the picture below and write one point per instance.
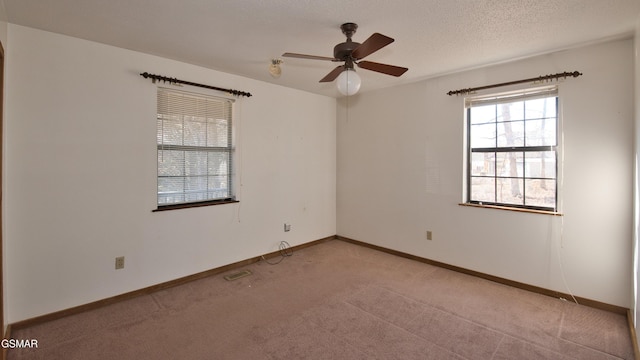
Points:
(195, 152)
(511, 97)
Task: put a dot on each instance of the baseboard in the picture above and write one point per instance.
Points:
(516, 284)
(151, 289)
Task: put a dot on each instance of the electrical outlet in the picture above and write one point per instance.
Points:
(429, 235)
(287, 227)
(120, 262)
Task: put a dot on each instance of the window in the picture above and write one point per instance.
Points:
(512, 149)
(195, 152)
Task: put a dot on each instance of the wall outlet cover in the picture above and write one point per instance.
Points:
(120, 262)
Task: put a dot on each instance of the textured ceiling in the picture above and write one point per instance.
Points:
(433, 37)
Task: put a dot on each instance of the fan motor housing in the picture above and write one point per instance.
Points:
(343, 50)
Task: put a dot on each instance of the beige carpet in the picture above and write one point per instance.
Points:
(336, 300)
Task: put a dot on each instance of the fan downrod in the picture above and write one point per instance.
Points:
(348, 29)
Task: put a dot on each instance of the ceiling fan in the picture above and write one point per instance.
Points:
(351, 52)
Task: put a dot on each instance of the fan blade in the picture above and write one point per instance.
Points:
(374, 43)
(333, 74)
(383, 68)
(312, 57)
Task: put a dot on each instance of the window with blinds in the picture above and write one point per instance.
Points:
(512, 149)
(195, 150)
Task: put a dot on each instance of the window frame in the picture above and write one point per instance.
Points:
(229, 149)
(512, 97)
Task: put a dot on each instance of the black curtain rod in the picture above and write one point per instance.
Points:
(178, 81)
(538, 79)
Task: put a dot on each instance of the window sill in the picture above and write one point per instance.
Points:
(195, 204)
(532, 211)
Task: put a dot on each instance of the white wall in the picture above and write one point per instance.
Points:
(400, 173)
(81, 166)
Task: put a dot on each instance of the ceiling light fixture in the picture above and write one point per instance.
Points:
(348, 82)
(274, 68)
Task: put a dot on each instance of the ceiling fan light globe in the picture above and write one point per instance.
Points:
(348, 82)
